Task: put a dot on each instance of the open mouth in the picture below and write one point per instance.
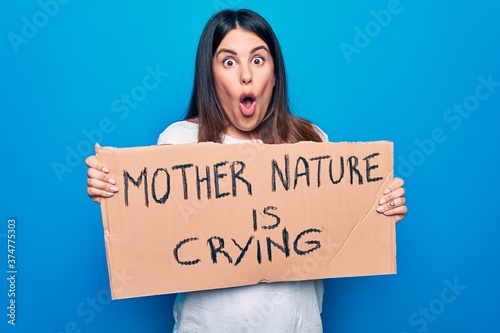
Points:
(247, 104)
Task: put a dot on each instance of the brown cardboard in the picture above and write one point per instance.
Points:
(175, 242)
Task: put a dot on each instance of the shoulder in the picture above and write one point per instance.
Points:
(183, 131)
(307, 130)
(323, 135)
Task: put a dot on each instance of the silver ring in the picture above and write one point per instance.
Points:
(392, 203)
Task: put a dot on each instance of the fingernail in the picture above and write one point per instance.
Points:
(110, 194)
(380, 209)
(112, 181)
(382, 201)
(387, 191)
(114, 188)
(106, 170)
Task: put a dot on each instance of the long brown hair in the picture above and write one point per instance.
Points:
(278, 125)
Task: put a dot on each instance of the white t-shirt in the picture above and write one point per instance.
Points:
(264, 308)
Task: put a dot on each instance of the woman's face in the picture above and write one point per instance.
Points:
(243, 72)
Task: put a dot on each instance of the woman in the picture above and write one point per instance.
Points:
(240, 95)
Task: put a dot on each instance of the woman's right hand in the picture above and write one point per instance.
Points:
(99, 182)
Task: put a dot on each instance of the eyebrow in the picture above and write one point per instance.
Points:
(261, 47)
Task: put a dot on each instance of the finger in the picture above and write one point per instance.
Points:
(100, 175)
(97, 185)
(395, 184)
(93, 162)
(391, 205)
(96, 194)
(399, 212)
(397, 193)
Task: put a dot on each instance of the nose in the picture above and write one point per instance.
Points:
(246, 75)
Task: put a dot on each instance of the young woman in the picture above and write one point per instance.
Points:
(240, 94)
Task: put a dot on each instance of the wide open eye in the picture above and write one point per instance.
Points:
(258, 61)
(228, 62)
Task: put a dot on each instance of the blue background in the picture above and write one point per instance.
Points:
(66, 77)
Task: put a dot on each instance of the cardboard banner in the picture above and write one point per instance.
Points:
(204, 216)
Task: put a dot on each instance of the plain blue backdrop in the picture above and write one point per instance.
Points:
(421, 73)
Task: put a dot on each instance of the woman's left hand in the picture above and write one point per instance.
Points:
(393, 201)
